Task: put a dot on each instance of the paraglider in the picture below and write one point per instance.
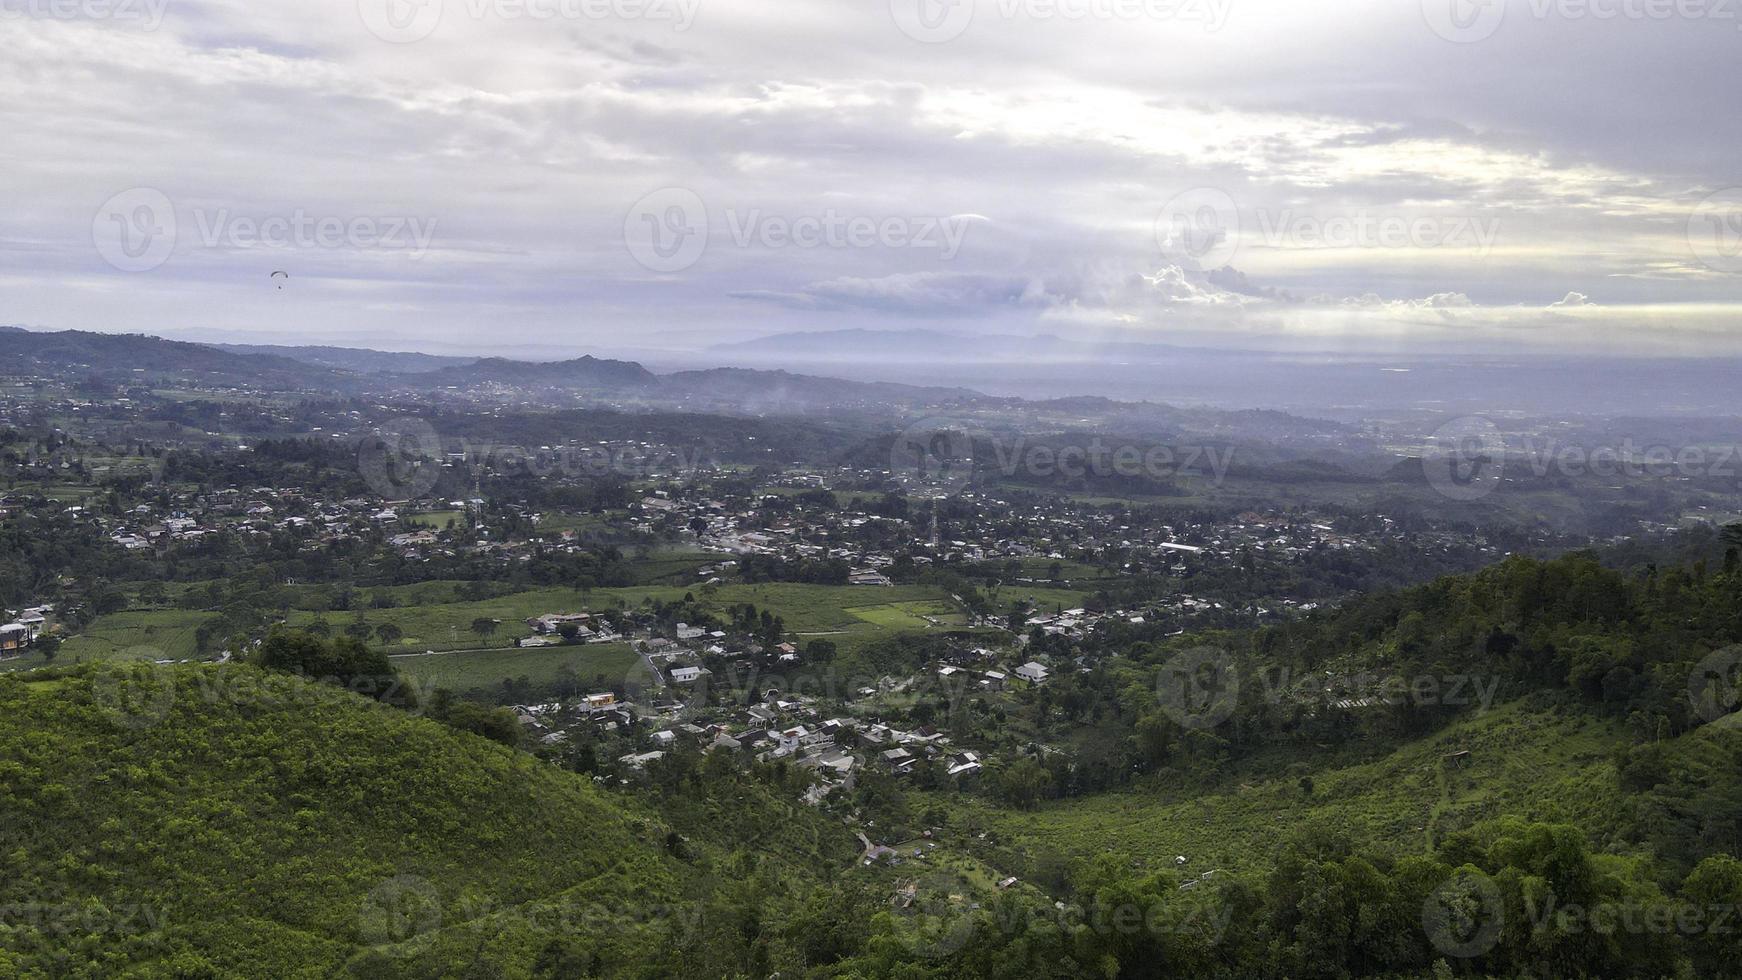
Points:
(281, 277)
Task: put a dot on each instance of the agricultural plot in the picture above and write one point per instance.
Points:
(914, 615)
(162, 634)
(600, 665)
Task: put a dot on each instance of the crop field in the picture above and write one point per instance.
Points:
(600, 665)
(160, 634)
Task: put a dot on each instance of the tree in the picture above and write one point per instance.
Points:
(484, 626)
(389, 634)
(1021, 783)
(344, 661)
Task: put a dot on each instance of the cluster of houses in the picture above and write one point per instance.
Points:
(23, 628)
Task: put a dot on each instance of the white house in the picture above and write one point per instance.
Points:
(1032, 672)
(686, 675)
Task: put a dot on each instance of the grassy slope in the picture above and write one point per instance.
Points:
(268, 827)
(1534, 765)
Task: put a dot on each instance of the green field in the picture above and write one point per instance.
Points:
(1536, 766)
(601, 665)
(805, 609)
(911, 615)
(437, 519)
(159, 634)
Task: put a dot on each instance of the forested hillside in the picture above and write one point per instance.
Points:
(1583, 817)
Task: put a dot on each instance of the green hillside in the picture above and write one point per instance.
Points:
(225, 821)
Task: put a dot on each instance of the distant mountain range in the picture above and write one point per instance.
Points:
(122, 358)
(355, 359)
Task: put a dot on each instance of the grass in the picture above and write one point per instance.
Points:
(437, 519)
(1533, 765)
(916, 615)
(598, 665)
(158, 634)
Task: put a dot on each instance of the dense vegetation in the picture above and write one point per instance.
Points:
(231, 820)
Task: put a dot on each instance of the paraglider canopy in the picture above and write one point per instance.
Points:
(280, 277)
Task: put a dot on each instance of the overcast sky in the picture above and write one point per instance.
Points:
(570, 175)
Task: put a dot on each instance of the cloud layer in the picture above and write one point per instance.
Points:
(553, 175)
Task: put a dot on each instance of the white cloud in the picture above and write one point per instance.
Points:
(525, 142)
